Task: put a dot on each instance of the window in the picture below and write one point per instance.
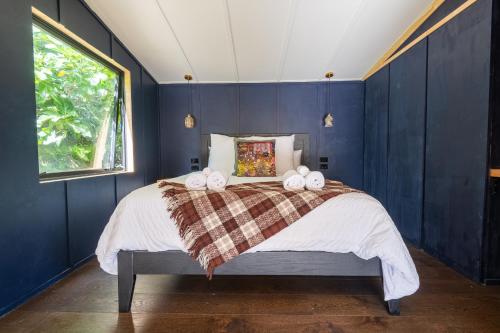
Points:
(81, 116)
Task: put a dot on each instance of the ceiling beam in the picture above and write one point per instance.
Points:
(411, 29)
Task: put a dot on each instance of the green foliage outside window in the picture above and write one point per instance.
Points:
(79, 121)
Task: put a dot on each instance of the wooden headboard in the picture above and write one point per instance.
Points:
(301, 142)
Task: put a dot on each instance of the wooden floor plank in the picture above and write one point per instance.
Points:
(86, 301)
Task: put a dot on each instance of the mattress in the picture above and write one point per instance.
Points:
(354, 222)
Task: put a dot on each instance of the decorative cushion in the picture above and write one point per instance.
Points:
(284, 151)
(255, 158)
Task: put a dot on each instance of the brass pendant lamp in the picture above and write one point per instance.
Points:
(189, 119)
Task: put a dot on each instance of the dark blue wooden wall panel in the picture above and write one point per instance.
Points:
(77, 18)
(408, 75)
(90, 204)
(300, 110)
(258, 103)
(457, 127)
(218, 108)
(178, 144)
(343, 143)
(48, 7)
(151, 128)
(265, 108)
(376, 134)
(125, 183)
(32, 223)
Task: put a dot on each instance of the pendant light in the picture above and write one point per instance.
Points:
(189, 119)
(328, 120)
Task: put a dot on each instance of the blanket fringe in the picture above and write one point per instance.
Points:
(185, 231)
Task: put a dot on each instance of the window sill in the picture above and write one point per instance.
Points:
(83, 176)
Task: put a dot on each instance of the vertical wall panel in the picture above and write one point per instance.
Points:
(151, 128)
(77, 18)
(218, 105)
(299, 108)
(299, 111)
(128, 182)
(376, 134)
(90, 204)
(457, 129)
(258, 108)
(48, 7)
(178, 144)
(32, 216)
(343, 143)
(405, 174)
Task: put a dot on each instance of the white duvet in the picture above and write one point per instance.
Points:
(353, 222)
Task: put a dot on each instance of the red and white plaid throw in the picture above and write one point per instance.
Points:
(217, 226)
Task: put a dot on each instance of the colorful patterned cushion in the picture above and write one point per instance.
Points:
(255, 158)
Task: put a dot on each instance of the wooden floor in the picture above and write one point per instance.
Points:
(86, 301)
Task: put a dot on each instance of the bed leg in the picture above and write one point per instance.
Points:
(393, 307)
(126, 280)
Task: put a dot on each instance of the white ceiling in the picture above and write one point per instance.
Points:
(258, 40)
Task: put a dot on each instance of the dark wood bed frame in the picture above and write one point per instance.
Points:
(131, 263)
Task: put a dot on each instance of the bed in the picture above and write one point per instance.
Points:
(350, 235)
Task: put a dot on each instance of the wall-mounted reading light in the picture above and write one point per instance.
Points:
(189, 119)
(328, 120)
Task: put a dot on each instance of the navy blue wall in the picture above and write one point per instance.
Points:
(457, 138)
(266, 108)
(47, 229)
(438, 100)
(406, 133)
(376, 137)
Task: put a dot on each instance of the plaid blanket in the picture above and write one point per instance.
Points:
(217, 226)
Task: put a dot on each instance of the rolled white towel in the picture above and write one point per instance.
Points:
(293, 181)
(217, 180)
(303, 170)
(196, 181)
(206, 171)
(315, 181)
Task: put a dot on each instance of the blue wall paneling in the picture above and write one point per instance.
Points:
(343, 143)
(407, 98)
(178, 144)
(265, 108)
(75, 16)
(376, 134)
(151, 128)
(457, 139)
(125, 183)
(218, 104)
(32, 223)
(46, 228)
(90, 204)
(257, 108)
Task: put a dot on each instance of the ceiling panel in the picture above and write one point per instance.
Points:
(259, 32)
(258, 40)
(318, 28)
(146, 35)
(202, 28)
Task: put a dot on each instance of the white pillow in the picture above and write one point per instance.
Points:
(283, 151)
(221, 157)
(297, 158)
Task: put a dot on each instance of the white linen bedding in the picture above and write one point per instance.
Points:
(353, 222)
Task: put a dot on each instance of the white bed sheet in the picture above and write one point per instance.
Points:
(353, 222)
